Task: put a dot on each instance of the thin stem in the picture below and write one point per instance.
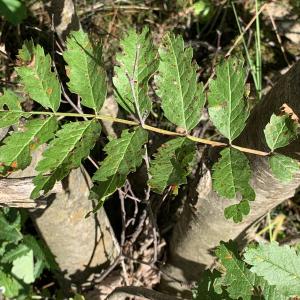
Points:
(258, 52)
(240, 37)
(278, 37)
(132, 82)
(147, 127)
(250, 62)
(237, 41)
(270, 226)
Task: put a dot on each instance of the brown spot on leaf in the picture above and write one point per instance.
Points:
(180, 130)
(68, 71)
(229, 257)
(49, 91)
(32, 62)
(285, 109)
(32, 147)
(14, 165)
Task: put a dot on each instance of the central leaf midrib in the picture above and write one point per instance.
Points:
(240, 269)
(229, 104)
(42, 81)
(231, 172)
(264, 258)
(74, 144)
(89, 83)
(64, 157)
(32, 137)
(277, 137)
(123, 154)
(179, 81)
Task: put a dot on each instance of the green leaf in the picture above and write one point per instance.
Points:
(23, 267)
(41, 252)
(39, 81)
(9, 285)
(16, 149)
(171, 165)
(79, 297)
(239, 281)
(137, 61)
(15, 253)
(10, 101)
(231, 175)
(208, 287)
(177, 81)
(13, 10)
(283, 167)
(104, 189)
(124, 154)
(8, 232)
(280, 131)
(25, 54)
(279, 265)
(72, 144)
(237, 211)
(87, 76)
(227, 106)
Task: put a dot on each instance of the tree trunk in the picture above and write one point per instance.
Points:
(64, 17)
(202, 224)
(79, 244)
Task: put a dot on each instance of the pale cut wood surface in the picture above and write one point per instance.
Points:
(15, 192)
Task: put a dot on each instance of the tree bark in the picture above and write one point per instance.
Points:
(64, 17)
(202, 224)
(140, 292)
(16, 193)
(79, 244)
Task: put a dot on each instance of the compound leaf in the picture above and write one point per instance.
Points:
(137, 63)
(39, 81)
(283, 167)
(9, 232)
(182, 96)
(40, 252)
(103, 189)
(208, 288)
(10, 102)
(237, 211)
(239, 281)
(227, 106)
(279, 265)
(171, 165)
(16, 149)
(72, 144)
(231, 175)
(9, 285)
(280, 131)
(124, 154)
(14, 253)
(85, 71)
(26, 52)
(23, 267)
(13, 10)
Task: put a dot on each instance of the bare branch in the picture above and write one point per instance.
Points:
(127, 291)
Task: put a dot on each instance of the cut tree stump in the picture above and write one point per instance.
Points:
(202, 224)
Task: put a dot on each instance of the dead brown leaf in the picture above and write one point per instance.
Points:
(287, 110)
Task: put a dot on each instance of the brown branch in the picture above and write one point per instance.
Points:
(127, 291)
(15, 192)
